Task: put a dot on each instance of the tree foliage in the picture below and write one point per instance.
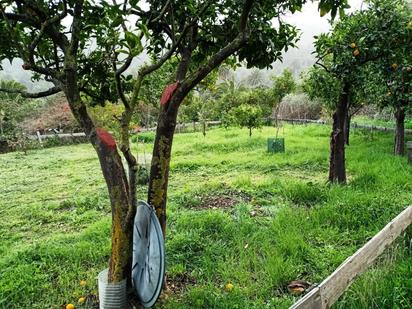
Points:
(247, 116)
(283, 85)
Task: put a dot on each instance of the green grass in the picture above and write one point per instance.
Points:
(285, 223)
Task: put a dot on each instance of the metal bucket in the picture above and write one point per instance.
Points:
(111, 295)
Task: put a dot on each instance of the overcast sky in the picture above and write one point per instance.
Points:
(310, 23)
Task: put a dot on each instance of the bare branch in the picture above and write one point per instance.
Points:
(46, 24)
(35, 95)
(162, 12)
(117, 79)
(76, 27)
(321, 65)
(247, 7)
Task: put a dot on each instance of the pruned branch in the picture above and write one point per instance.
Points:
(33, 95)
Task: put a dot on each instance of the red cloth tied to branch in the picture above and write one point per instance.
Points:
(106, 138)
(167, 93)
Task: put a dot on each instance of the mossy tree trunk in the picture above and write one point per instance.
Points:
(159, 170)
(121, 196)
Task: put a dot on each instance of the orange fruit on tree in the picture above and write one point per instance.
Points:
(356, 52)
(394, 66)
(353, 45)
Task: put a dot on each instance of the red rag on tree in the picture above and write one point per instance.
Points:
(167, 93)
(106, 138)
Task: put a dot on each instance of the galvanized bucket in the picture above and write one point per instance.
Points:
(111, 295)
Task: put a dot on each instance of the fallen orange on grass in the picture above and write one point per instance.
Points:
(81, 300)
(83, 282)
(69, 306)
(228, 287)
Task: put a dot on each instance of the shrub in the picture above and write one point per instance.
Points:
(299, 106)
(248, 116)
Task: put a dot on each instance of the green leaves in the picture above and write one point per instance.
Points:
(371, 50)
(333, 6)
(133, 42)
(249, 116)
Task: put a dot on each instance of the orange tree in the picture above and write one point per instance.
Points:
(84, 48)
(362, 37)
(398, 79)
(393, 77)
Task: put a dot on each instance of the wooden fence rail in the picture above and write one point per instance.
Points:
(327, 293)
(353, 125)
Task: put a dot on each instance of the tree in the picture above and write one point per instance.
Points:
(87, 60)
(355, 40)
(396, 74)
(10, 108)
(399, 96)
(255, 78)
(388, 84)
(13, 110)
(248, 116)
(282, 85)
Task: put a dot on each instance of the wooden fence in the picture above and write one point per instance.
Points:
(353, 125)
(182, 126)
(327, 293)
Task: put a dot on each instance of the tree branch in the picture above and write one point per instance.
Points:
(117, 79)
(76, 27)
(213, 62)
(162, 12)
(321, 65)
(34, 95)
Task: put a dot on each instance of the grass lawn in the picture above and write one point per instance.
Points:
(236, 214)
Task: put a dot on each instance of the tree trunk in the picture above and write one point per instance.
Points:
(337, 171)
(347, 128)
(159, 170)
(250, 132)
(122, 211)
(399, 147)
(204, 128)
(116, 181)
